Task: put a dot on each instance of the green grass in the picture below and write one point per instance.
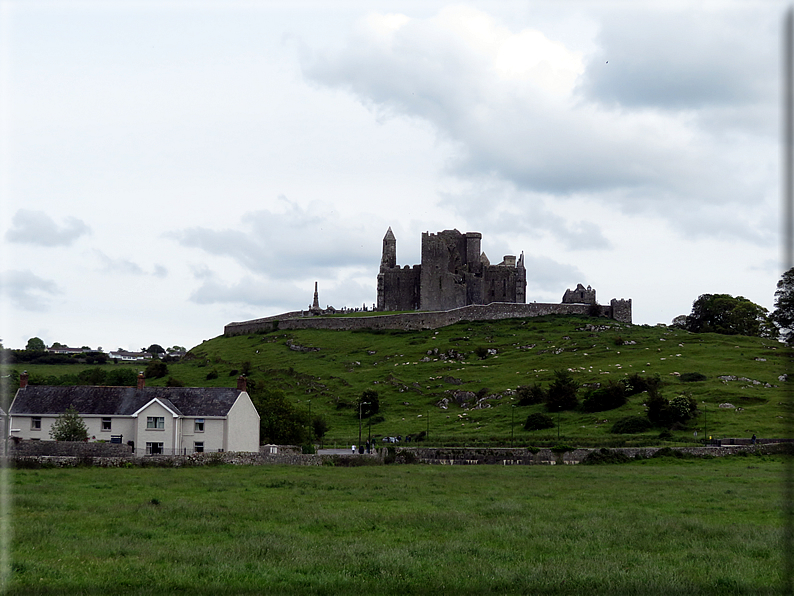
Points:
(347, 363)
(651, 527)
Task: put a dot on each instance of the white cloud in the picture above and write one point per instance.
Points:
(36, 227)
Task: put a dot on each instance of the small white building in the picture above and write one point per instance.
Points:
(155, 420)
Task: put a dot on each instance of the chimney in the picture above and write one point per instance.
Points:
(241, 384)
(141, 381)
(23, 379)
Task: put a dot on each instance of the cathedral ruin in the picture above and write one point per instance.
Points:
(453, 273)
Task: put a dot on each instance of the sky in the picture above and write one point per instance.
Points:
(169, 167)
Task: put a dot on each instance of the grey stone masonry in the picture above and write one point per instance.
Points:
(619, 310)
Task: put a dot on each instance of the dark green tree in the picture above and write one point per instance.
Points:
(155, 350)
(156, 369)
(562, 393)
(320, 427)
(92, 376)
(729, 315)
(35, 345)
(69, 426)
(280, 422)
(783, 315)
(369, 403)
(529, 395)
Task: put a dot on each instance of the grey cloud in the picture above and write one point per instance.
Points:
(283, 245)
(27, 291)
(547, 275)
(124, 266)
(36, 227)
(628, 156)
(684, 59)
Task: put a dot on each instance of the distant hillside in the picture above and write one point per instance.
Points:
(413, 371)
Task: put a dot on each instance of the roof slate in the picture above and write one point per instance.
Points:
(122, 401)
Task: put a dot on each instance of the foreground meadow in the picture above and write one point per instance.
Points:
(650, 527)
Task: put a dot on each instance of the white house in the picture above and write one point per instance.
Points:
(155, 420)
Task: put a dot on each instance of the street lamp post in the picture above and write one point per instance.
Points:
(311, 424)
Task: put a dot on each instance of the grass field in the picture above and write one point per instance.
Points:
(659, 527)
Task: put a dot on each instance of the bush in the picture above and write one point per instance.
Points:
(172, 382)
(683, 407)
(612, 396)
(213, 374)
(529, 395)
(631, 425)
(692, 377)
(156, 369)
(308, 449)
(562, 392)
(538, 422)
(635, 383)
(481, 352)
(605, 456)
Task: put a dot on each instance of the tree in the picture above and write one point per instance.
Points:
(173, 349)
(35, 345)
(280, 423)
(723, 313)
(320, 427)
(783, 315)
(369, 403)
(562, 392)
(56, 345)
(156, 369)
(69, 426)
(154, 350)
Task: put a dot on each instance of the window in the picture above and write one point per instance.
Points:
(106, 424)
(199, 425)
(198, 447)
(156, 422)
(35, 423)
(154, 448)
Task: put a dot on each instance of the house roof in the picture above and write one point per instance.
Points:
(122, 401)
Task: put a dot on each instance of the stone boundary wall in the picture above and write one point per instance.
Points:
(517, 457)
(417, 321)
(68, 449)
(178, 461)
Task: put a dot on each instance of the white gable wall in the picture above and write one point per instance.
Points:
(242, 425)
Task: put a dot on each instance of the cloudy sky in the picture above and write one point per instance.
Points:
(167, 168)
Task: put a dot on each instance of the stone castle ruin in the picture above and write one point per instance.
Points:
(454, 282)
(453, 273)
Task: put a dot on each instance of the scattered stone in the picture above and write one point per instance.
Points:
(726, 405)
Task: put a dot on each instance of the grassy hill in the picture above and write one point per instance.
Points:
(412, 372)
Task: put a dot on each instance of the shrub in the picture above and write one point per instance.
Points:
(172, 382)
(659, 412)
(635, 383)
(562, 392)
(69, 427)
(156, 369)
(605, 456)
(481, 352)
(683, 407)
(308, 449)
(692, 377)
(612, 396)
(529, 395)
(631, 425)
(538, 421)
(213, 374)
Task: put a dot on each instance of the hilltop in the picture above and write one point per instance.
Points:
(415, 370)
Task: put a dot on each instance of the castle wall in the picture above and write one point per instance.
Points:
(398, 289)
(430, 320)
